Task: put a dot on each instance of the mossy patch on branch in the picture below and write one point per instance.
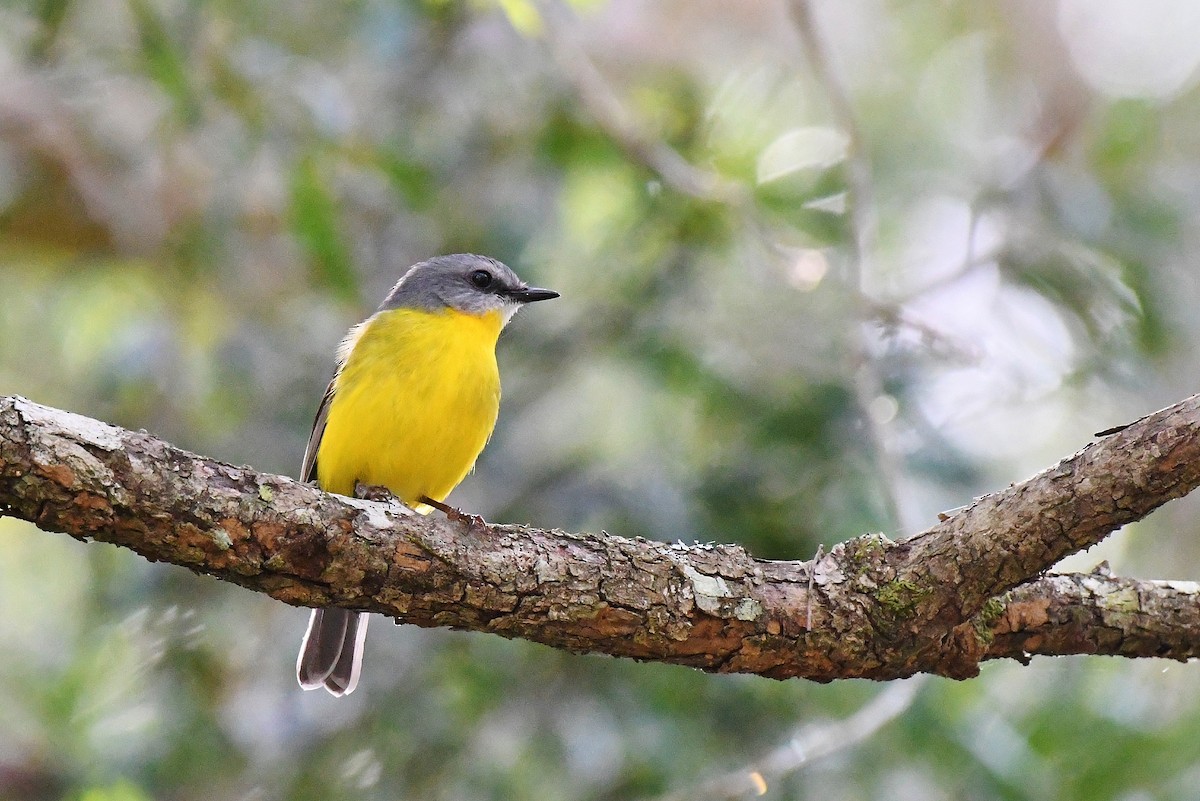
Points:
(898, 599)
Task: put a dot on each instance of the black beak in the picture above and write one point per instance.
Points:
(528, 294)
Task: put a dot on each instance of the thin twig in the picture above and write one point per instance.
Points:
(864, 224)
(808, 744)
(607, 110)
(812, 578)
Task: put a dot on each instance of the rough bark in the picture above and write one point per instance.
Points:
(1098, 613)
(870, 608)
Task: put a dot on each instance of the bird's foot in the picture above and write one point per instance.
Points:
(457, 515)
(374, 492)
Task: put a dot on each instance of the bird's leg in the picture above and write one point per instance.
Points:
(457, 515)
(374, 492)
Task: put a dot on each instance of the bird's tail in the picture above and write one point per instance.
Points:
(332, 651)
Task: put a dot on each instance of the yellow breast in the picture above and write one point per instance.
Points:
(413, 405)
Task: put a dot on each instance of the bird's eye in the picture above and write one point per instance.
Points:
(481, 279)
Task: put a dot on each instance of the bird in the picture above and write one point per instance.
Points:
(414, 397)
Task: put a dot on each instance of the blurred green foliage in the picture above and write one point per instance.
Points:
(197, 199)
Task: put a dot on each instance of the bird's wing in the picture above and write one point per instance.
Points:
(308, 472)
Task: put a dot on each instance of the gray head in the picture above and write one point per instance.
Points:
(465, 282)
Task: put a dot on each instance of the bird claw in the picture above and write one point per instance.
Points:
(471, 520)
(452, 513)
(374, 492)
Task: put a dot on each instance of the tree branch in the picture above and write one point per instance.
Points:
(878, 609)
(1097, 613)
